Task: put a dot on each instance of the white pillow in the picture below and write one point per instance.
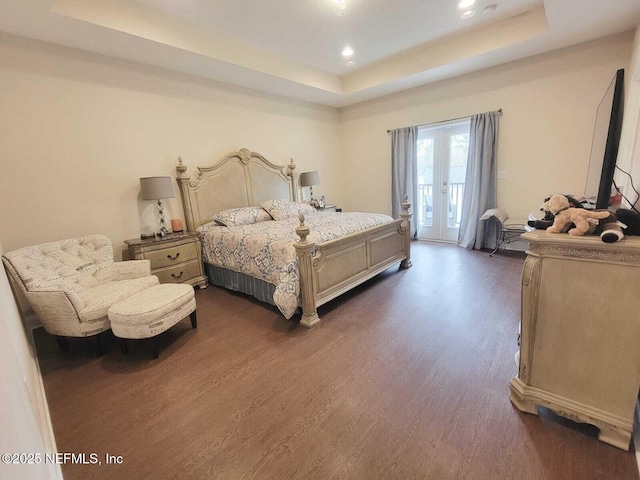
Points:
(281, 209)
(235, 217)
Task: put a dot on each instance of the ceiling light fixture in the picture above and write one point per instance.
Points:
(490, 8)
(464, 4)
(351, 62)
(467, 14)
(347, 52)
(340, 7)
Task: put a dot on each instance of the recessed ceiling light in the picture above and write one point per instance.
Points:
(351, 62)
(464, 4)
(490, 8)
(467, 14)
(347, 52)
(340, 7)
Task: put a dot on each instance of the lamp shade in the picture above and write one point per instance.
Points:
(308, 179)
(155, 188)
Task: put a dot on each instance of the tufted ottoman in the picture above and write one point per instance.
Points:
(151, 312)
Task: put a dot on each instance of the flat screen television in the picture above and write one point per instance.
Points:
(604, 147)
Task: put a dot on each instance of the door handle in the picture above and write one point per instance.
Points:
(444, 191)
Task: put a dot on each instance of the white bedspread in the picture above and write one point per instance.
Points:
(265, 250)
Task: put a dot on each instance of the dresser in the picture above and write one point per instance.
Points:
(580, 331)
(176, 258)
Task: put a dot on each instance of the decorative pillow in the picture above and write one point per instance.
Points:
(281, 209)
(235, 217)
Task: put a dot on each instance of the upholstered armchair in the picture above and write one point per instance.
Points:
(71, 284)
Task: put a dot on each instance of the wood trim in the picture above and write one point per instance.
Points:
(44, 416)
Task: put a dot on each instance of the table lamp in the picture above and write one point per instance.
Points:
(157, 188)
(309, 179)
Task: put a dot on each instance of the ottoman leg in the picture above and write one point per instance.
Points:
(194, 319)
(99, 352)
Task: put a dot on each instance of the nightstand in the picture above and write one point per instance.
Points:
(176, 258)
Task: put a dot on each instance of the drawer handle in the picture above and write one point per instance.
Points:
(177, 276)
(173, 258)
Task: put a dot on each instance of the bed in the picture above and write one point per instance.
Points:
(329, 253)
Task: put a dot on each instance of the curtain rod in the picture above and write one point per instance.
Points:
(443, 121)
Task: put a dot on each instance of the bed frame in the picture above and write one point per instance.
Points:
(328, 269)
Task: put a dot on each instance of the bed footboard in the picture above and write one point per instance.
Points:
(330, 269)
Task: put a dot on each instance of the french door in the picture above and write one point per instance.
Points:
(442, 167)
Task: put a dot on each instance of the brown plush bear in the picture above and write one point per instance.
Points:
(584, 220)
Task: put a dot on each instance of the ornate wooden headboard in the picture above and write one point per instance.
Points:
(240, 179)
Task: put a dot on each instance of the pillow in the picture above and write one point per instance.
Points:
(281, 209)
(235, 217)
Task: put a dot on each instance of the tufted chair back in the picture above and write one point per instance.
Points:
(73, 265)
(71, 284)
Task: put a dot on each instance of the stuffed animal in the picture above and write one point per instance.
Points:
(610, 229)
(584, 220)
(631, 219)
(548, 218)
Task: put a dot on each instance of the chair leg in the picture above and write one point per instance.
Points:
(124, 345)
(194, 319)
(99, 352)
(154, 346)
(63, 343)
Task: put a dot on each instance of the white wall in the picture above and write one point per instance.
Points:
(629, 153)
(24, 420)
(79, 129)
(549, 104)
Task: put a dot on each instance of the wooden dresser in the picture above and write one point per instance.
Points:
(176, 258)
(580, 343)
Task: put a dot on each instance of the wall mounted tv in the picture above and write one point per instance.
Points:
(604, 147)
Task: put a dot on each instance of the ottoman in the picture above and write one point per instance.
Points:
(151, 312)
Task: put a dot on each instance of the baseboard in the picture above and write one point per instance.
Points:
(32, 322)
(636, 435)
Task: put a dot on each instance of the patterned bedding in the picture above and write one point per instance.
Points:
(265, 250)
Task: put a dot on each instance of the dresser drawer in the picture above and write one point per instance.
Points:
(178, 273)
(172, 255)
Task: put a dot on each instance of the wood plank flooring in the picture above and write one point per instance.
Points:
(405, 377)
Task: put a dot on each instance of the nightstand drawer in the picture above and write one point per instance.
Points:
(172, 255)
(178, 273)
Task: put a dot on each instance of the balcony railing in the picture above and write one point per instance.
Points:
(425, 202)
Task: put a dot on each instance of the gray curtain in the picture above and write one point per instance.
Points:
(404, 171)
(480, 184)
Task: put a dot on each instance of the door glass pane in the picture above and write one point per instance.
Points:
(425, 182)
(458, 146)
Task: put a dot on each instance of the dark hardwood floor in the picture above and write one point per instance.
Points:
(405, 377)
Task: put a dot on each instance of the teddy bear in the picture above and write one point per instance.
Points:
(548, 218)
(585, 220)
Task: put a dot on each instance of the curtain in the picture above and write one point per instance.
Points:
(404, 171)
(480, 184)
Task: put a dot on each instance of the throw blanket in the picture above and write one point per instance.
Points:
(265, 250)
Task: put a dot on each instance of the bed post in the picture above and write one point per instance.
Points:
(295, 194)
(406, 226)
(183, 183)
(304, 251)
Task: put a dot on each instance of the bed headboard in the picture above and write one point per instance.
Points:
(240, 179)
